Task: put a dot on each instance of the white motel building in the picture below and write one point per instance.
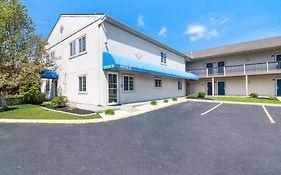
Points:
(99, 61)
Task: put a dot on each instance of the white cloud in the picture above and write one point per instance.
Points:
(140, 20)
(163, 32)
(207, 30)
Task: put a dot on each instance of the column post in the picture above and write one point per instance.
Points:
(246, 86)
(213, 86)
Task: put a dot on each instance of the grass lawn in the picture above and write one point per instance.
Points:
(244, 99)
(35, 112)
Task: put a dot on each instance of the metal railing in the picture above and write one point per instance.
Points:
(235, 70)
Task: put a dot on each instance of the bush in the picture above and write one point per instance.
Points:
(272, 98)
(59, 101)
(201, 94)
(153, 102)
(109, 112)
(36, 98)
(174, 99)
(166, 101)
(254, 95)
(14, 100)
(47, 103)
(192, 96)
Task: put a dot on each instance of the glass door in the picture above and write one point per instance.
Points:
(112, 79)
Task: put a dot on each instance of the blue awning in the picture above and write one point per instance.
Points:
(111, 61)
(49, 74)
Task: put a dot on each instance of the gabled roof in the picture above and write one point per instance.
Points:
(129, 29)
(240, 48)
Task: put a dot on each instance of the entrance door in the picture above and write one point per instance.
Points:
(221, 67)
(112, 79)
(209, 88)
(210, 68)
(221, 88)
(278, 86)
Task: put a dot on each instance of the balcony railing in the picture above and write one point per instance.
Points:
(236, 70)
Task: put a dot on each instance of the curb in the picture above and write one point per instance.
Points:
(82, 115)
(230, 102)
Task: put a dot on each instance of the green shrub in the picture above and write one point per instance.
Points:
(109, 112)
(14, 100)
(36, 98)
(47, 103)
(174, 99)
(272, 98)
(201, 94)
(166, 101)
(153, 102)
(192, 96)
(254, 95)
(59, 101)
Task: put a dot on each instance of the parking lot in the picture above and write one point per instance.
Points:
(193, 138)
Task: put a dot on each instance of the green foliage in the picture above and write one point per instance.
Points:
(201, 94)
(192, 96)
(174, 99)
(59, 101)
(14, 100)
(109, 112)
(254, 95)
(166, 101)
(153, 102)
(272, 98)
(46, 103)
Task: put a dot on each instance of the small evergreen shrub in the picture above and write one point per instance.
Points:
(192, 96)
(109, 112)
(14, 100)
(153, 102)
(166, 101)
(254, 95)
(201, 94)
(59, 101)
(272, 98)
(47, 103)
(174, 99)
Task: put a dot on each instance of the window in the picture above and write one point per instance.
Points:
(82, 84)
(53, 56)
(179, 85)
(158, 82)
(82, 44)
(72, 48)
(47, 88)
(163, 57)
(128, 83)
(47, 58)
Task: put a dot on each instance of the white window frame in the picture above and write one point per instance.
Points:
(53, 56)
(179, 84)
(82, 87)
(47, 86)
(155, 84)
(163, 57)
(79, 44)
(129, 76)
(72, 45)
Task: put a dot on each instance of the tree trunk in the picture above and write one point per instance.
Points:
(3, 102)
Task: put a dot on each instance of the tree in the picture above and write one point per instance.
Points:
(21, 49)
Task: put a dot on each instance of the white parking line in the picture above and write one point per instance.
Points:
(268, 114)
(211, 109)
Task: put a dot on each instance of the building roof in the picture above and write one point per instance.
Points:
(129, 29)
(245, 47)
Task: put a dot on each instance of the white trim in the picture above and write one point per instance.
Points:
(128, 91)
(85, 51)
(69, 45)
(117, 88)
(82, 92)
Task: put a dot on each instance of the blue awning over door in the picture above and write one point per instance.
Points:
(49, 74)
(111, 61)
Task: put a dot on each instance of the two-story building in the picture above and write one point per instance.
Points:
(238, 69)
(101, 61)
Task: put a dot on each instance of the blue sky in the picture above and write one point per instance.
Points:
(185, 25)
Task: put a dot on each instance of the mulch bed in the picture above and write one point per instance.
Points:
(73, 111)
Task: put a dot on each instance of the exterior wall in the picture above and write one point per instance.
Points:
(239, 59)
(70, 68)
(264, 85)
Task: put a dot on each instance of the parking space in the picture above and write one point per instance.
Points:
(230, 139)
